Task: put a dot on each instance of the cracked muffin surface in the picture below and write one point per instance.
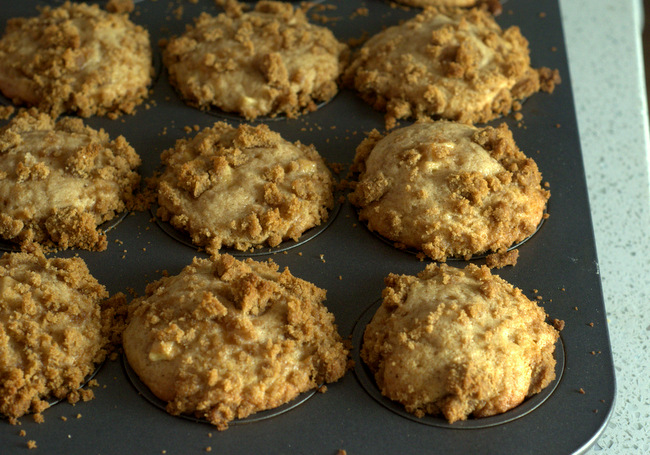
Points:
(243, 187)
(264, 62)
(448, 189)
(458, 342)
(225, 339)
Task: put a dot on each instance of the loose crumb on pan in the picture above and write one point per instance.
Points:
(6, 112)
(120, 6)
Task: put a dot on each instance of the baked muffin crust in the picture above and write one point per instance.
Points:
(448, 189)
(458, 342)
(243, 187)
(452, 63)
(52, 332)
(226, 338)
(76, 58)
(59, 180)
(265, 62)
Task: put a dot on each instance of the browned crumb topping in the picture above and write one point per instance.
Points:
(243, 187)
(446, 62)
(228, 338)
(448, 189)
(500, 260)
(53, 330)
(60, 180)
(558, 324)
(268, 61)
(76, 58)
(458, 342)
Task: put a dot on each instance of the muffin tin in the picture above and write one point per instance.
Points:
(557, 265)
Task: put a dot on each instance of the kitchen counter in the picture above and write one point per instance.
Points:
(605, 56)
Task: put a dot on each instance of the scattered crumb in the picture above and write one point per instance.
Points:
(558, 324)
(581, 391)
(31, 444)
(6, 112)
(120, 6)
(591, 324)
(342, 452)
(22, 433)
(500, 260)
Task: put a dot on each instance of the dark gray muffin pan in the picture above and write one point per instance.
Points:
(558, 265)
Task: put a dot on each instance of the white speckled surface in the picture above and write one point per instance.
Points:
(605, 55)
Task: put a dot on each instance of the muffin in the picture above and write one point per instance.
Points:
(265, 62)
(59, 180)
(448, 189)
(225, 339)
(450, 63)
(243, 187)
(53, 331)
(458, 342)
(76, 58)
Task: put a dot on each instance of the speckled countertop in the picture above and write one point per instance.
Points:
(605, 54)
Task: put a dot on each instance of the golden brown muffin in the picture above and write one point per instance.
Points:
(453, 63)
(76, 58)
(458, 342)
(243, 187)
(52, 333)
(60, 180)
(268, 61)
(225, 339)
(448, 189)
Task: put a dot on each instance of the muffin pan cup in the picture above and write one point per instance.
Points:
(557, 266)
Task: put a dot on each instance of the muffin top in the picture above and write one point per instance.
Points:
(265, 62)
(448, 189)
(453, 63)
(458, 342)
(59, 180)
(52, 332)
(243, 187)
(225, 338)
(76, 58)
